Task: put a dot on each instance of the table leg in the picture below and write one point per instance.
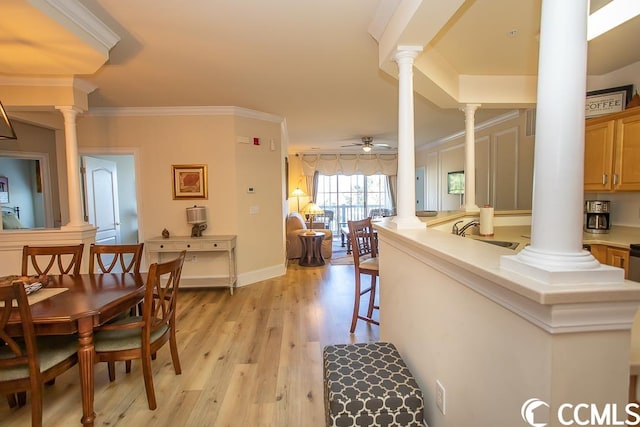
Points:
(86, 359)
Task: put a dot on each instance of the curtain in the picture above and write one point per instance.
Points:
(392, 182)
(349, 164)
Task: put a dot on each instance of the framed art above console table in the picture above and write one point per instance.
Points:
(200, 262)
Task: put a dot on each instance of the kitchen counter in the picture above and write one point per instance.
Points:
(514, 226)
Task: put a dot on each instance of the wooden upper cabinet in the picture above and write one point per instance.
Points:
(612, 152)
(627, 164)
(598, 156)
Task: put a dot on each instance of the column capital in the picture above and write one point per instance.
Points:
(406, 52)
(69, 111)
(469, 108)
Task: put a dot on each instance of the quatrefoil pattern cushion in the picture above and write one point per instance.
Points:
(368, 384)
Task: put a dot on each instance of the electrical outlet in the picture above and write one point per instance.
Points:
(440, 396)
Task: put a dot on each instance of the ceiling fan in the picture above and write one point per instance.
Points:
(367, 144)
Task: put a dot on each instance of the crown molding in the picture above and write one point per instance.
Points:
(74, 16)
(184, 111)
(484, 125)
(71, 82)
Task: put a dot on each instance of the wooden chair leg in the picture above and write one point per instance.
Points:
(356, 305)
(127, 366)
(36, 404)
(22, 398)
(372, 297)
(11, 400)
(111, 367)
(173, 345)
(147, 374)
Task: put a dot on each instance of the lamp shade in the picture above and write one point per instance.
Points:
(197, 215)
(298, 193)
(312, 209)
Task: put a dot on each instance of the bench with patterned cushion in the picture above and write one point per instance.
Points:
(369, 384)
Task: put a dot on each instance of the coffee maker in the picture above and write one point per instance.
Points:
(596, 216)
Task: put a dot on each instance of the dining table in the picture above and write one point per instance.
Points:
(79, 305)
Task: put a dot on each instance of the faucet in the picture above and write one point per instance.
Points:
(462, 231)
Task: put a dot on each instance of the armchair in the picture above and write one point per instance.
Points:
(296, 226)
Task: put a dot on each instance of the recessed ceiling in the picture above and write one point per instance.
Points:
(312, 63)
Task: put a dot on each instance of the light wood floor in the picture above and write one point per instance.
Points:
(251, 359)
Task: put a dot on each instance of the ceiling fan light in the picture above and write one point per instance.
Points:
(366, 148)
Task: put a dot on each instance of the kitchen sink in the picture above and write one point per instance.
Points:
(509, 245)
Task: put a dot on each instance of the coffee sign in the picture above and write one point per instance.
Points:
(607, 101)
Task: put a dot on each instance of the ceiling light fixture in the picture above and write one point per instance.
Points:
(366, 148)
(6, 129)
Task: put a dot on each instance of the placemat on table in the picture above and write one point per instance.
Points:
(40, 295)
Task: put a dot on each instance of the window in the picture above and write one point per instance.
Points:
(352, 197)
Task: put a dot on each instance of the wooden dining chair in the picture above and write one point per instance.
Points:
(365, 261)
(43, 258)
(115, 258)
(27, 363)
(140, 337)
(122, 259)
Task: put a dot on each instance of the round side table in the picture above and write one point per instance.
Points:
(311, 249)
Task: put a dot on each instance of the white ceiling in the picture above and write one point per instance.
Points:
(313, 63)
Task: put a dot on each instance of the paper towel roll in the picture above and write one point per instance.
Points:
(486, 221)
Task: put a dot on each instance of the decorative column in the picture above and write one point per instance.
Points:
(470, 158)
(76, 219)
(555, 254)
(406, 205)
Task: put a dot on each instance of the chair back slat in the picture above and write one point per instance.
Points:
(362, 237)
(122, 258)
(161, 293)
(41, 259)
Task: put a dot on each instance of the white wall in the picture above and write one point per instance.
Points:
(163, 141)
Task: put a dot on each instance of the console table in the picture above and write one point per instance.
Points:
(161, 250)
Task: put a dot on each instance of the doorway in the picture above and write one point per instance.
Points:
(112, 178)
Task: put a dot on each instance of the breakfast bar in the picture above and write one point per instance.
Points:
(461, 319)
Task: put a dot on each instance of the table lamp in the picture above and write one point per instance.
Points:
(197, 216)
(312, 210)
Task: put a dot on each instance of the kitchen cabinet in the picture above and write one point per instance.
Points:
(611, 255)
(612, 151)
(618, 257)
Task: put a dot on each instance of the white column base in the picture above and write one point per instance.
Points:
(407, 223)
(561, 269)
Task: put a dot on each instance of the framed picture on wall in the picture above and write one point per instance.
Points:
(189, 182)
